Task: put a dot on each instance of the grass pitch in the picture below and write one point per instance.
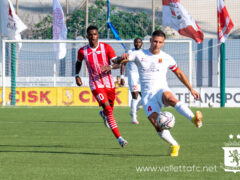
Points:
(72, 143)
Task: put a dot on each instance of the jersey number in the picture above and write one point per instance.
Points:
(100, 97)
(149, 108)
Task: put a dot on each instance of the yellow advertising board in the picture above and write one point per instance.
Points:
(60, 96)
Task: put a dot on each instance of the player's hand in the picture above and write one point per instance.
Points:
(122, 82)
(78, 81)
(122, 59)
(125, 55)
(195, 94)
(124, 62)
(105, 68)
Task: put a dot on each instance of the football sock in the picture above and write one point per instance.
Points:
(108, 112)
(139, 102)
(184, 110)
(166, 135)
(134, 103)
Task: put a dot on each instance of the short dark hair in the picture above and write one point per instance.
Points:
(159, 33)
(91, 27)
(138, 38)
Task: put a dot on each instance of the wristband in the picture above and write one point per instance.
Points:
(77, 75)
(122, 76)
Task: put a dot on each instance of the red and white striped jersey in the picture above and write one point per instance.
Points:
(94, 58)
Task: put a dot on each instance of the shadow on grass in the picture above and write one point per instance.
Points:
(84, 122)
(63, 122)
(72, 122)
(73, 153)
(84, 153)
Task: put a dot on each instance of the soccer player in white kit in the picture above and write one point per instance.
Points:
(153, 64)
(133, 81)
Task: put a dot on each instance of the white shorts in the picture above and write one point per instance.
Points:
(152, 102)
(134, 82)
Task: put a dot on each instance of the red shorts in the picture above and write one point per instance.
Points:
(103, 95)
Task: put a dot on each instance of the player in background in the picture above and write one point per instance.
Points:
(133, 81)
(153, 64)
(95, 55)
(118, 82)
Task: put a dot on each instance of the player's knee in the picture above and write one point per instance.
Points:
(107, 110)
(153, 119)
(169, 99)
(134, 95)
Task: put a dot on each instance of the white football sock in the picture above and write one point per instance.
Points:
(184, 110)
(134, 103)
(166, 135)
(139, 102)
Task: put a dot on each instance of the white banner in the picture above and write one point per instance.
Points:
(209, 97)
(225, 23)
(177, 17)
(59, 30)
(11, 24)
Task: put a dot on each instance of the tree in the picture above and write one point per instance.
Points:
(129, 25)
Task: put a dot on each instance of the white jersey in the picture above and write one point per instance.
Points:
(133, 75)
(131, 66)
(153, 69)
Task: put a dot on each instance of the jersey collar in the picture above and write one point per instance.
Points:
(94, 49)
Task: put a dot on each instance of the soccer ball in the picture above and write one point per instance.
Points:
(166, 120)
(210, 104)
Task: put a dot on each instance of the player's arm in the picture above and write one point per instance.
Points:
(183, 78)
(121, 59)
(122, 69)
(78, 67)
(112, 56)
(109, 67)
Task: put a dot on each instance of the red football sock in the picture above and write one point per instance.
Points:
(111, 120)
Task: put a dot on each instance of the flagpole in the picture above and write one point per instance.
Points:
(153, 15)
(86, 15)
(17, 6)
(67, 8)
(222, 70)
(222, 74)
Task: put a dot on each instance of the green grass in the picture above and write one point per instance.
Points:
(72, 143)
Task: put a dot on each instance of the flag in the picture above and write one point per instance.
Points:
(59, 30)
(114, 31)
(177, 17)
(11, 24)
(225, 23)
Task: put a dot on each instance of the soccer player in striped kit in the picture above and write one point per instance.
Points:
(97, 54)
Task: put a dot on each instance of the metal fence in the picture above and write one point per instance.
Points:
(205, 55)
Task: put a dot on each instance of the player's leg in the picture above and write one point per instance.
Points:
(104, 118)
(152, 110)
(100, 96)
(134, 87)
(134, 104)
(163, 133)
(139, 105)
(169, 99)
(108, 111)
